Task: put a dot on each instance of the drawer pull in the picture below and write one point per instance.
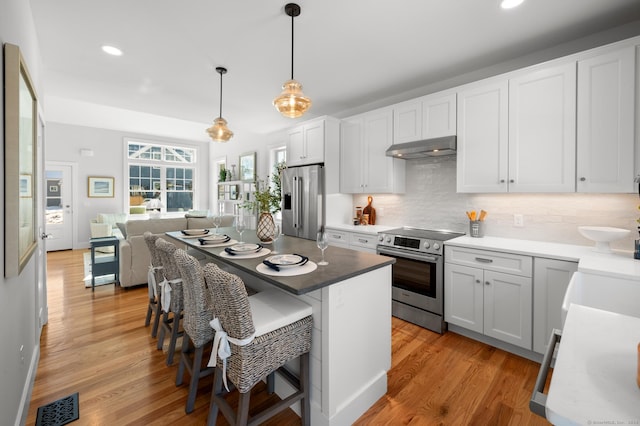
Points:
(363, 241)
(337, 237)
(483, 260)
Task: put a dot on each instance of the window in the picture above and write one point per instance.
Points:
(161, 177)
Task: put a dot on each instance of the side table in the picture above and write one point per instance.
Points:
(104, 265)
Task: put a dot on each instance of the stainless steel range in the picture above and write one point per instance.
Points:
(418, 274)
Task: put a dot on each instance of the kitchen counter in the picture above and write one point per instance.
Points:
(619, 264)
(351, 304)
(343, 263)
(594, 378)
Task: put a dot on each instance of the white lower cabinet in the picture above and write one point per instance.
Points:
(481, 297)
(550, 282)
(337, 238)
(353, 240)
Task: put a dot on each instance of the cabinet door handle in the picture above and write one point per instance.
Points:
(511, 181)
(477, 281)
(582, 179)
(483, 260)
(487, 283)
(501, 180)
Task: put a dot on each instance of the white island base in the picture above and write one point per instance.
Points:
(351, 347)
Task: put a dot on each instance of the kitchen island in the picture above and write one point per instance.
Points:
(351, 338)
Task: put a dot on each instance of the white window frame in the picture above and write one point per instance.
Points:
(163, 165)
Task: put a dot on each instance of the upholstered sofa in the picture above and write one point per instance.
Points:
(134, 254)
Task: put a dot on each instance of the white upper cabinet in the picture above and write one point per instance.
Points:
(606, 89)
(427, 117)
(364, 165)
(542, 135)
(305, 144)
(483, 137)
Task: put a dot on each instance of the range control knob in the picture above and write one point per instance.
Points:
(388, 239)
(436, 246)
(426, 245)
(380, 238)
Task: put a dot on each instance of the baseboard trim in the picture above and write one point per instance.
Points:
(25, 399)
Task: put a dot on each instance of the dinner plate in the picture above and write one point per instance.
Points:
(195, 231)
(214, 239)
(286, 260)
(245, 248)
(221, 238)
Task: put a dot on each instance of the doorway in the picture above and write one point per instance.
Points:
(58, 206)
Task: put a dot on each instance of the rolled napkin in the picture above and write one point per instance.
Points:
(271, 265)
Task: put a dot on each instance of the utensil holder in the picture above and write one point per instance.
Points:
(476, 228)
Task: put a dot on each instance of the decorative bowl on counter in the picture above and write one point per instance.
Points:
(603, 235)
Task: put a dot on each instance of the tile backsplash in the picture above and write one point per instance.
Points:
(431, 201)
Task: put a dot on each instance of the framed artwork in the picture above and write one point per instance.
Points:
(25, 186)
(101, 187)
(233, 192)
(248, 166)
(21, 120)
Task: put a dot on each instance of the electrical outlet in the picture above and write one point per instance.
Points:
(518, 220)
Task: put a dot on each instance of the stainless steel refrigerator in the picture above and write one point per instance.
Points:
(303, 201)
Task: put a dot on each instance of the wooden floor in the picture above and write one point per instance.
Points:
(96, 344)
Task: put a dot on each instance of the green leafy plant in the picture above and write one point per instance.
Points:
(266, 198)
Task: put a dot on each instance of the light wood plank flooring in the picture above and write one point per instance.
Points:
(96, 344)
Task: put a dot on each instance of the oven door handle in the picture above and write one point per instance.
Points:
(538, 401)
(395, 253)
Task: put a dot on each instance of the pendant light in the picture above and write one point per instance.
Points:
(292, 103)
(219, 132)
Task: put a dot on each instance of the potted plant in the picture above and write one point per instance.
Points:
(267, 200)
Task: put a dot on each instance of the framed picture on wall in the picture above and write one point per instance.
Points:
(248, 166)
(20, 153)
(100, 187)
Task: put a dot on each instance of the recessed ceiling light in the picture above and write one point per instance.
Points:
(510, 4)
(111, 50)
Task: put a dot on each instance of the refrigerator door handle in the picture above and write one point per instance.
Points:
(296, 202)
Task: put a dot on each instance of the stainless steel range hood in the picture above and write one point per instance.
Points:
(436, 147)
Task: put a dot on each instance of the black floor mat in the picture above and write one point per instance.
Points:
(60, 412)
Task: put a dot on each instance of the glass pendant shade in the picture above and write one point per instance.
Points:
(219, 132)
(292, 103)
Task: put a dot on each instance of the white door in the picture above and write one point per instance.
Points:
(58, 193)
(42, 314)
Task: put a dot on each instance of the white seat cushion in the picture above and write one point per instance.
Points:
(273, 308)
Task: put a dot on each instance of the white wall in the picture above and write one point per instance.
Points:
(431, 202)
(19, 326)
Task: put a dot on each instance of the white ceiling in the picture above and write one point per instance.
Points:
(347, 53)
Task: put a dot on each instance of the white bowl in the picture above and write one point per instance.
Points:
(603, 235)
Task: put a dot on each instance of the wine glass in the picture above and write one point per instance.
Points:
(240, 226)
(322, 243)
(274, 237)
(217, 221)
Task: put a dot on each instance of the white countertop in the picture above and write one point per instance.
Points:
(620, 264)
(594, 378)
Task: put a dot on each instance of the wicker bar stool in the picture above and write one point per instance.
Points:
(173, 299)
(153, 282)
(198, 312)
(256, 336)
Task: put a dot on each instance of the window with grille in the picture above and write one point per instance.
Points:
(161, 177)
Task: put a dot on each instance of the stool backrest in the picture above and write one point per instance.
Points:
(150, 239)
(165, 251)
(198, 310)
(230, 301)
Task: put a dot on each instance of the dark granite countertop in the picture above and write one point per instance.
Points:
(343, 263)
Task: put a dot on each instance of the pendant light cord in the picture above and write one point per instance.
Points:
(220, 94)
(292, 45)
